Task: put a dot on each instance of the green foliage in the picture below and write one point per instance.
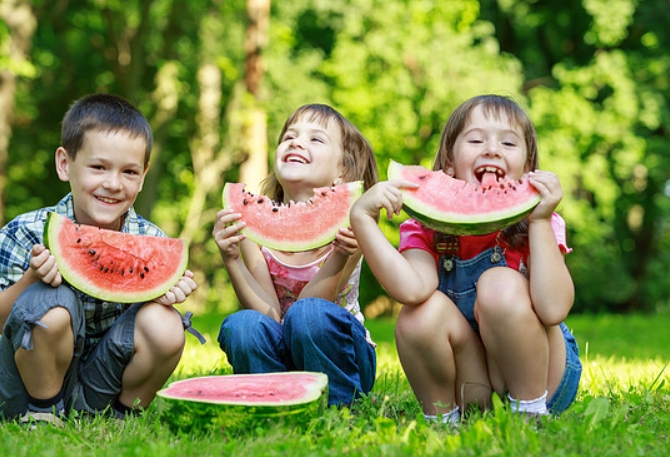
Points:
(593, 74)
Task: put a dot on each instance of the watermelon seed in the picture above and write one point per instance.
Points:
(130, 270)
(244, 202)
(260, 200)
(146, 269)
(142, 275)
(79, 240)
(91, 251)
(275, 209)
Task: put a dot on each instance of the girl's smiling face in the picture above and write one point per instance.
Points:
(309, 155)
(105, 177)
(489, 144)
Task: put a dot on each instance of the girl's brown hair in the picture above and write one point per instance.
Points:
(358, 159)
(492, 105)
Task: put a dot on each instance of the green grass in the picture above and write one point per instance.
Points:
(623, 408)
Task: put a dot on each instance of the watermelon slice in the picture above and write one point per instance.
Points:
(114, 266)
(456, 207)
(233, 402)
(297, 226)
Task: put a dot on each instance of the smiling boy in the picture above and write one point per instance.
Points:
(61, 349)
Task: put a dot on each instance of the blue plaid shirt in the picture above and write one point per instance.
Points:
(16, 243)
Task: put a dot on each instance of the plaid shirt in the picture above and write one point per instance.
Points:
(16, 242)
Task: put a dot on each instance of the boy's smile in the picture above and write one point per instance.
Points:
(105, 176)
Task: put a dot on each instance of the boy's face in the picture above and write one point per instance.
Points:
(489, 144)
(105, 177)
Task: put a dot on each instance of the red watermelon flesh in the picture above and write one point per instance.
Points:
(114, 266)
(297, 226)
(244, 400)
(456, 207)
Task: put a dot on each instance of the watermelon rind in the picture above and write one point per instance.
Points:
(234, 414)
(473, 222)
(168, 258)
(295, 227)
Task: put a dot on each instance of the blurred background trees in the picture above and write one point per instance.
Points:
(217, 79)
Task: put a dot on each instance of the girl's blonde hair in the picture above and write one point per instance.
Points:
(358, 159)
(492, 105)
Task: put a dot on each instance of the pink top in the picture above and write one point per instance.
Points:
(413, 235)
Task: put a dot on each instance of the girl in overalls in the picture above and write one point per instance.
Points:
(481, 313)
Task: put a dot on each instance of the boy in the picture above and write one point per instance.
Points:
(60, 348)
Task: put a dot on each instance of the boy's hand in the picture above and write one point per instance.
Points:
(227, 234)
(549, 187)
(43, 265)
(178, 293)
(385, 194)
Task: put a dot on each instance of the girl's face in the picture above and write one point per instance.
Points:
(308, 156)
(489, 144)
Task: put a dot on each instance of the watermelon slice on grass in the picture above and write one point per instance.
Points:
(234, 402)
(456, 207)
(297, 226)
(114, 266)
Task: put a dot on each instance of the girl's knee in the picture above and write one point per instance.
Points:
(502, 290)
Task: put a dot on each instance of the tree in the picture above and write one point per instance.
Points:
(16, 31)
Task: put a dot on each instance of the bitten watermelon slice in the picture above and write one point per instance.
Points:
(297, 226)
(456, 207)
(232, 402)
(114, 266)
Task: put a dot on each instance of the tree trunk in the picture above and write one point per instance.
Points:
(20, 20)
(254, 128)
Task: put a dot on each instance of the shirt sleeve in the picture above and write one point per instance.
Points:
(413, 235)
(558, 226)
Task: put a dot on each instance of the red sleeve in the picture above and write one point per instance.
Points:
(413, 235)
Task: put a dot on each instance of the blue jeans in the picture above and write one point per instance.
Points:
(459, 283)
(317, 335)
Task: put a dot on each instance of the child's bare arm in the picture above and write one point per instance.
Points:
(551, 286)
(246, 267)
(410, 277)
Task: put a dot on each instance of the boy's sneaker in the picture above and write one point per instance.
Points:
(33, 419)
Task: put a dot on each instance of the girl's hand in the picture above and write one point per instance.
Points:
(549, 187)
(178, 293)
(385, 194)
(227, 234)
(345, 242)
(43, 265)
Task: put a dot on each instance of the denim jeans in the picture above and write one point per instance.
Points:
(316, 335)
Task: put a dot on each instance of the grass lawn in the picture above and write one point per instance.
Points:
(623, 408)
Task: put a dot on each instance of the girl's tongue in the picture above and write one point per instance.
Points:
(489, 179)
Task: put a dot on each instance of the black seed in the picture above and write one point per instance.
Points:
(101, 267)
(275, 209)
(260, 200)
(423, 177)
(122, 272)
(244, 202)
(106, 270)
(142, 275)
(146, 269)
(79, 240)
(91, 251)
(130, 270)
